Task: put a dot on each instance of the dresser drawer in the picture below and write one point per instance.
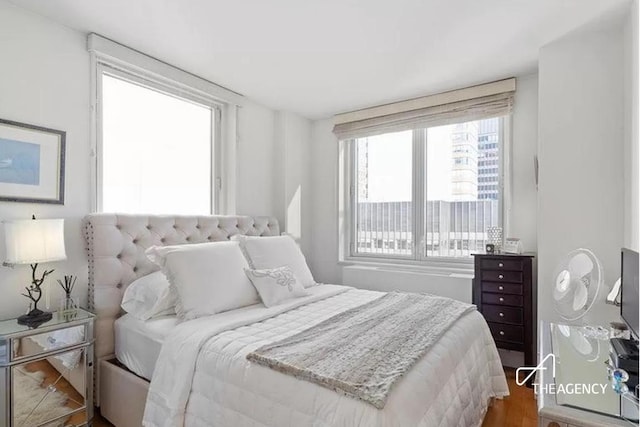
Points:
(502, 264)
(502, 288)
(502, 332)
(502, 276)
(502, 314)
(502, 299)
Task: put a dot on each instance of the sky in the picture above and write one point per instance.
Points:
(144, 128)
(390, 165)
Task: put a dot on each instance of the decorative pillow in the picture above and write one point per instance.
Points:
(277, 251)
(276, 285)
(149, 296)
(208, 277)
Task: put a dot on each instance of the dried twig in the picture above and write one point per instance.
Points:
(68, 284)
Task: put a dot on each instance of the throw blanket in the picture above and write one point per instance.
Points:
(364, 351)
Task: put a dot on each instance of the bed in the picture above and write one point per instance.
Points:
(138, 342)
(199, 368)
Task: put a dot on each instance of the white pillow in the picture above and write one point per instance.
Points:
(276, 285)
(273, 252)
(208, 277)
(149, 296)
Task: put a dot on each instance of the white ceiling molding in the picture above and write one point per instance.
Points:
(117, 55)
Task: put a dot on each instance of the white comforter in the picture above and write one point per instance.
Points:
(202, 377)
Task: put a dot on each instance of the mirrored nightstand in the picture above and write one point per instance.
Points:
(573, 387)
(47, 372)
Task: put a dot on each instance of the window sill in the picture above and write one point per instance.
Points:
(460, 269)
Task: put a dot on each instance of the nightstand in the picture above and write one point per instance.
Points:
(505, 292)
(47, 372)
(573, 385)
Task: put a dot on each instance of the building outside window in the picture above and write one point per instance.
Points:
(428, 193)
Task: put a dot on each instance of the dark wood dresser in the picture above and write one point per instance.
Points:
(505, 292)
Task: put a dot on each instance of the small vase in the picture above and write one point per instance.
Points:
(68, 305)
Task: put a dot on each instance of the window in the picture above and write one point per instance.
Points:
(425, 194)
(158, 134)
(383, 196)
(423, 178)
(157, 147)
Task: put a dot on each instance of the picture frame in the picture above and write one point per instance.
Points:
(32, 163)
(512, 246)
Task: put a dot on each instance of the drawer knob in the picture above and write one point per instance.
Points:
(501, 299)
(502, 333)
(501, 288)
(500, 265)
(501, 314)
(500, 276)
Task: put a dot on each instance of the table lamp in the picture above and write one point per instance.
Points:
(33, 242)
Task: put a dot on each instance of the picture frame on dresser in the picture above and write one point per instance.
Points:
(505, 292)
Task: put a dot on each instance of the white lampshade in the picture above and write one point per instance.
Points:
(32, 241)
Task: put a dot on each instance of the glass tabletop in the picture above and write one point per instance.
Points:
(11, 326)
(582, 372)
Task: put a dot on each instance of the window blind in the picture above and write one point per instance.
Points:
(474, 103)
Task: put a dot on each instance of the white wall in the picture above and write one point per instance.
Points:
(323, 258)
(581, 188)
(523, 218)
(255, 182)
(292, 178)
(631, 135)
(324, 184)
(44, 80)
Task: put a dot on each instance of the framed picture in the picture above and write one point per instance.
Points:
(31, 163)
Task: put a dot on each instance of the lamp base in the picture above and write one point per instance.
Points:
(34, 318)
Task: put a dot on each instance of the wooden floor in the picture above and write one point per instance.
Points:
(98, 421)
(517, 410)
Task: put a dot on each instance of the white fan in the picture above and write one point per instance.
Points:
(581, 342)
(578, 280)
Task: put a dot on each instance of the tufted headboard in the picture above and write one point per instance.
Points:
(116, 245)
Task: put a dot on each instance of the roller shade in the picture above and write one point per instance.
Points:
(474, 103)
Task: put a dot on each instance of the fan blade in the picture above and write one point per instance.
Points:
(580, 343)
(580, 296)
(580, 264)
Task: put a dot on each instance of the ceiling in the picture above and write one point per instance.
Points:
(321, 57)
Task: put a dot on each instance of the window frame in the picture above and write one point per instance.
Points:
(167, 88)
(347, 212)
